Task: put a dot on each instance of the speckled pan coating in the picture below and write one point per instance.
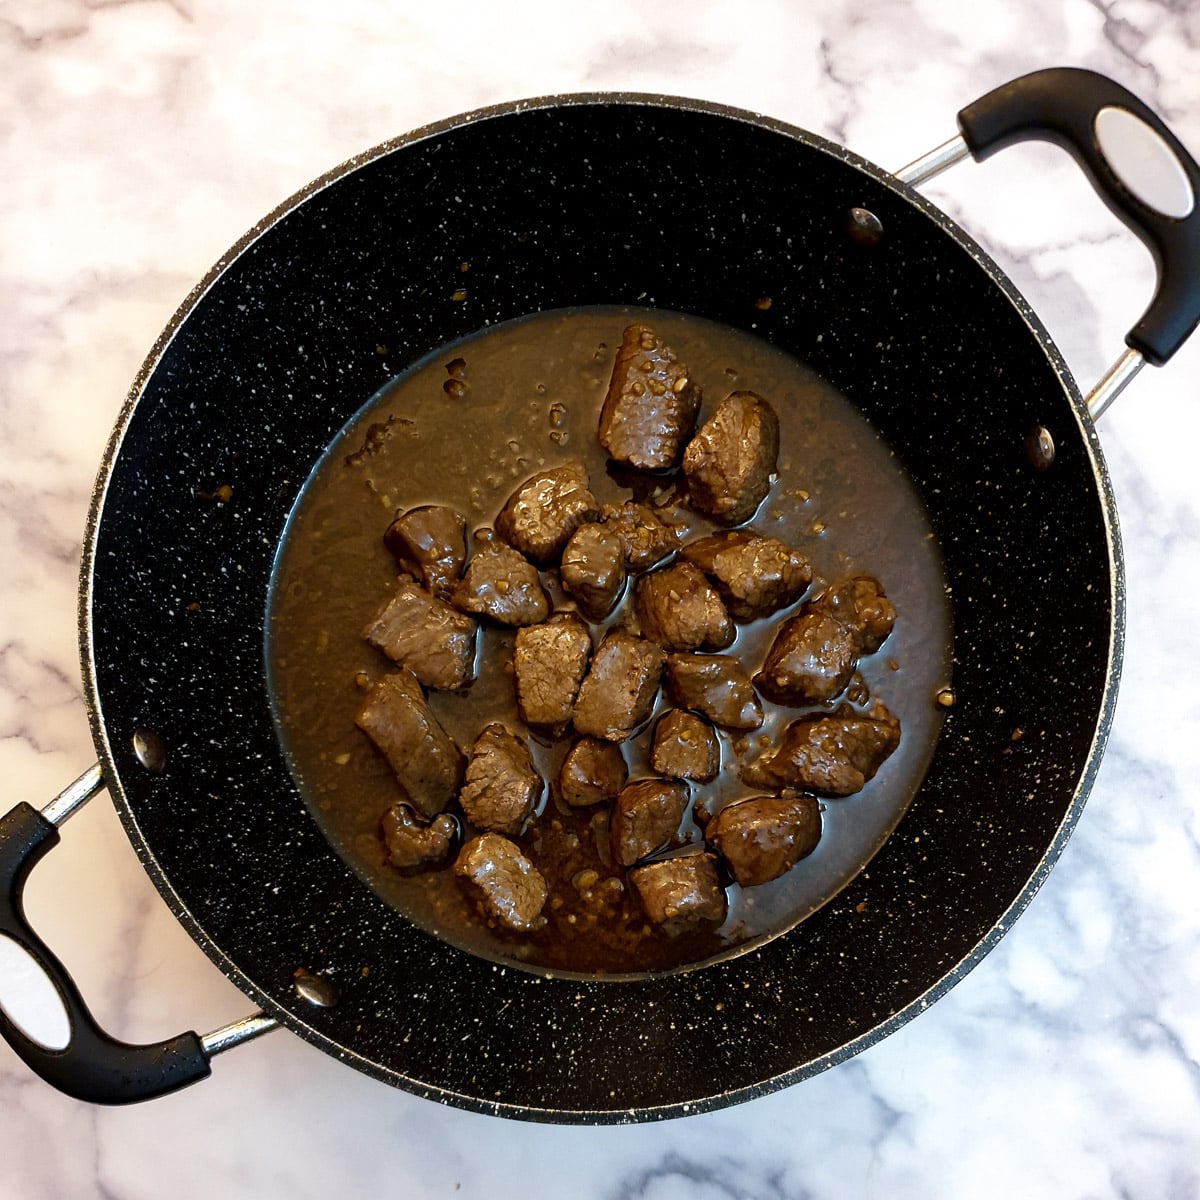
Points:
(584, 200)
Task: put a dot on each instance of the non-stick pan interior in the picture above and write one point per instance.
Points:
(595, 201)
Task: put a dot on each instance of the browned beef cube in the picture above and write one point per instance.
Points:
(502, 787)
(619, 690)
(549, 663)
(730, 461)
(428, 765)
(646, 818)
(680, 893)
(430, 544)
(680, 610)
(593, 569)
(500, 584)
(762, 838)
(650, 409)
(685, 747)
(592, 772)
(545, 510)
(754, 575)
(645, 539)
(832, 755)
(508, 888)
(413, 844)
(811, 660)
(424, 634)
(814, 654)
(716, 685)
(861, 604)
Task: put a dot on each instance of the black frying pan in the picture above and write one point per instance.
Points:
(586, 200)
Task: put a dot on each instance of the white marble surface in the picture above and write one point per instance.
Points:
(139, 139)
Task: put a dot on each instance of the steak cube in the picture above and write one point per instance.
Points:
(832, 755)
(593, 569)
(430, 544)
(428, 765)
(592, 772)
(811, 660)
(814, 654)
(549, 663)
(619, 690)
(680, 610)
(500, 584)
(685, 747)
(754, 575)
(508, 888)
(680, 893)
(860, 604)
(761, 838)
(545, 510)
(729, 463)
(412, 844)
(502, 786)
(646, 818)
(424, 634)
(717, 686)
(650, 409)
(645, 539)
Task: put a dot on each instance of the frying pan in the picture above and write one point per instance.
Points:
(581, 200)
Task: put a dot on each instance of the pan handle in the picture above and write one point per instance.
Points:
(92, 1066)
(1116, 139)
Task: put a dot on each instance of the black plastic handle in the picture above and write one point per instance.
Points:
(1061, 105)
(93, 1066)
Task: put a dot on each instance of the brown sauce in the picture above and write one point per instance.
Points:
(465, 436)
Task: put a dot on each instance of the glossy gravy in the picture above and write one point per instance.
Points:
(463, 428)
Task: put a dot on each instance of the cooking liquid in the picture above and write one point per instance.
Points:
(463, 428)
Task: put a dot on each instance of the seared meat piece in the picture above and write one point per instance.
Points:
(430, 544)
(646, 818)
(546, 509)
(755, 575)
(811, 660)
(426, 635)
(592, 772)
(762, 838)
(814, 654)
(502, 786)
(645, 539)
(861, 604)
(716, 685)
(681, 892)
(593, 569)
(680, 610)
(832, 755)
(685, 747)
(508, 888)
(412, 844)
(428, 765)
(549, 662)
(730, 461)
(650, 409)
(501, 584)
(620, 688)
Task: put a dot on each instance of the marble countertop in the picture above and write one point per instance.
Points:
(138, 140)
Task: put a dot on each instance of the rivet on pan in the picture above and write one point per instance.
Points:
(1039, 448)
(945, 698)
(316, 989)
(150, 751)
(863, 226)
